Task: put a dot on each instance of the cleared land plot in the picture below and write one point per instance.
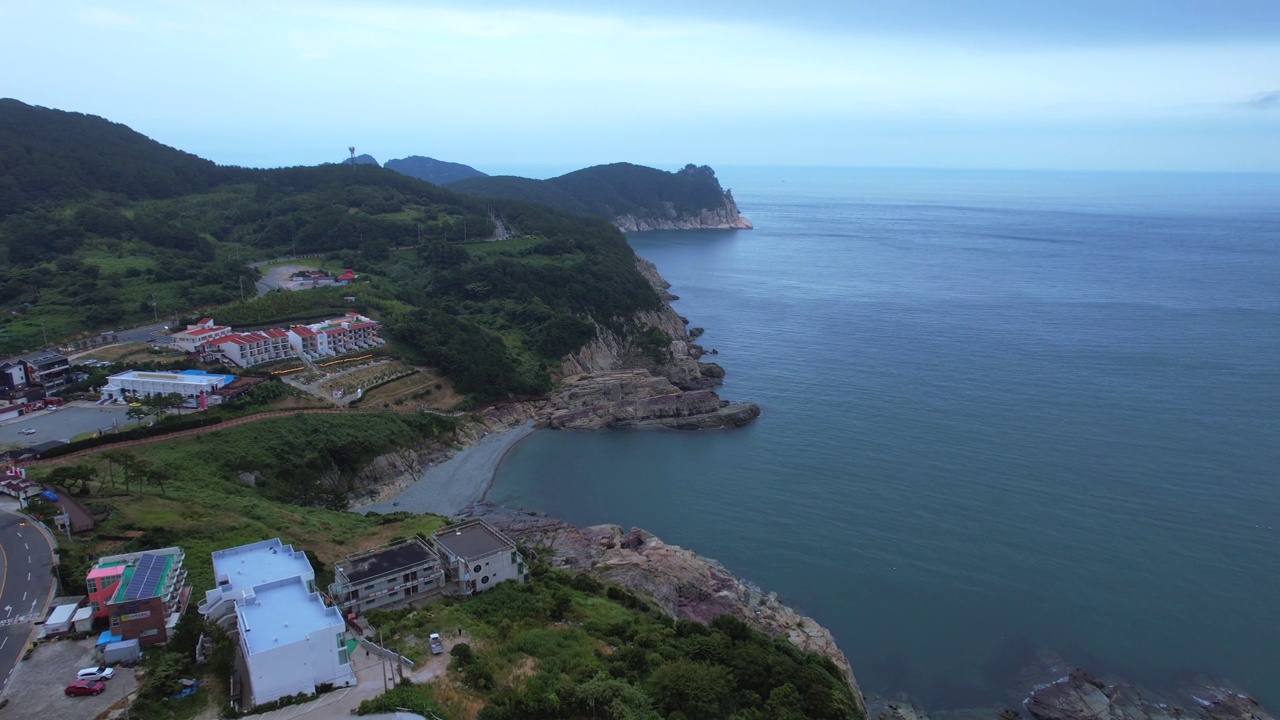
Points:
(131, 352)
(413, 393)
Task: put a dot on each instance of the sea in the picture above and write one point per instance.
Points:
(1003, 412)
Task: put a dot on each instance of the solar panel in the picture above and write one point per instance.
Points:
(146, 577)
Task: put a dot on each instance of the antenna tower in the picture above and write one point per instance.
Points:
(353, 154)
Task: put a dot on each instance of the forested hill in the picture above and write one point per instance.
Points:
(106, 228)
(435, 171)
(619, 190)
(51, 155)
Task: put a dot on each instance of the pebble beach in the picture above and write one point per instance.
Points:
(455, 483)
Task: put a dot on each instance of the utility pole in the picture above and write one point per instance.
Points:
(155, 312)
(241, 279)
(382, 653)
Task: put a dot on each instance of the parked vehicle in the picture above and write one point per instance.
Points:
(437, 645)
(96, 673)
(27, 431)
(124, 652)
(85, 687)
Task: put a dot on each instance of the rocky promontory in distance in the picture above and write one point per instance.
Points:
(632, 197)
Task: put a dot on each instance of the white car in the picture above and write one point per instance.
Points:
(27, 431)
(96, 673)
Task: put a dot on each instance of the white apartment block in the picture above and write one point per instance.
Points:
(199, 335)
(348, 334)
(290, 641)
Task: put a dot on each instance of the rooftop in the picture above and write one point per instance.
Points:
(362, 566)
(265, 561)
(144, 580)
(187, 377)
(472, 539)
(284, 612)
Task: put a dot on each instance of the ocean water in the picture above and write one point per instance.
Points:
(1001, 411)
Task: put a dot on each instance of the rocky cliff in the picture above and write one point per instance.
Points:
(685, 584)
(724, 217)
(642, 378)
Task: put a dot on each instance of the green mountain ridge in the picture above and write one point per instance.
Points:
(103, 227)
(619, 190)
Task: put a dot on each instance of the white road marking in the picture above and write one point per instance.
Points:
(28, 575)
(19, 533)
(24, 594)
(2, 642)
(26, 546)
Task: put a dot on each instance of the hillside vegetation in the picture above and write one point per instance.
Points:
(563, 646)
(102, 227)
(435, 171)
(610, 191)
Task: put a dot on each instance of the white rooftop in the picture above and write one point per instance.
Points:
(282, 613)
(261, 562)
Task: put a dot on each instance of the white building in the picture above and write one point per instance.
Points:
(290, 641)
(188, 383)
(254, 348)
(199, 335)
(238, 570)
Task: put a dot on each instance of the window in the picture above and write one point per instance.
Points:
(97, 606)
(92, 584)
(341, 640)
(342, 656)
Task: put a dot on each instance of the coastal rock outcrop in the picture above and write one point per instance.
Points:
(1075, 694)
(617, 381)
(1081, 696)
(683, 583)
(725, 217)
(634, 398)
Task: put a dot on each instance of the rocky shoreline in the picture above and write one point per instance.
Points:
(725, 217)
(683, 583)
(1050, 689)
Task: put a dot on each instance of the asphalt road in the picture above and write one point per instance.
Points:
(26, 582)
(154, 332)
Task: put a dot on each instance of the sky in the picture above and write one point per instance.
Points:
(1185, 85)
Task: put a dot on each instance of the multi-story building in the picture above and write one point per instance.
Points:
(387, 575)
(350, 333)
(290, 642)
(254, 348)
(239, 569)
(477, 557)
(304, 342)
(34, 375)
(196, 337)
(143, 594)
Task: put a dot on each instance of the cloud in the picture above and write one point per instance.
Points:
(1264, 101)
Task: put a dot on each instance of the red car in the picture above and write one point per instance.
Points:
(86, 687)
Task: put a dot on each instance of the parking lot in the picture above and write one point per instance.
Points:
(62, 424)
(35, 689)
